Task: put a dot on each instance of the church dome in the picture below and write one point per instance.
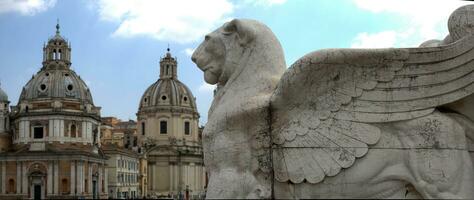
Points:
(54, 83)
(56, 79)
(168, 91)
(55, 105)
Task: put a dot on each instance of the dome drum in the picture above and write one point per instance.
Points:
(55, 128)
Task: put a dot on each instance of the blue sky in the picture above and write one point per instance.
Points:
(117, 44)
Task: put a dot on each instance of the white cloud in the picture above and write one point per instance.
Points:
(266, 3)
(26, 7)
(189, 51)
(179, 21)
(424, 20)
(206, 88)
(375, 40)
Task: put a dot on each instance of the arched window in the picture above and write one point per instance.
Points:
(143, 128)
(187, 128)
(167, 70)
(11, 186)
(54, 54)
(59, 54)
(73, 130)
(163, 127)
(64, 186)
(26, 109)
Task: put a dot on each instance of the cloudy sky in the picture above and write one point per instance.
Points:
(117, 44)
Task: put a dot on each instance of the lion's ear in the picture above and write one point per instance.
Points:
(245, 32)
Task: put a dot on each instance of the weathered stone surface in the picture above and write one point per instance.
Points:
(339, 123)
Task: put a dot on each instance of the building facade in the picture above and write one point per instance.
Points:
(50, 139)
(121, 133)
(168, 134)
(123, 172)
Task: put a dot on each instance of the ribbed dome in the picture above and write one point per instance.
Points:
(3, 96)
(56, 83)
(168, 92)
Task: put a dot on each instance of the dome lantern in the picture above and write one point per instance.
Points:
(57, 52)
(168, 66)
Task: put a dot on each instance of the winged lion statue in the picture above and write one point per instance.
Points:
(339, 123)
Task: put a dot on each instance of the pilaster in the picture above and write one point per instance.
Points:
(50, 178)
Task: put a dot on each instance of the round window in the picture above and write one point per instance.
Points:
(185, 98)
(42, 87)
(66, 74)
(69, 87)
(47, 74)
(163, 98)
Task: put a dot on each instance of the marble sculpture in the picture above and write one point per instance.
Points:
(339, 123)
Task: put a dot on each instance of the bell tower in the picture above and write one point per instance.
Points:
(57, 52)
(168, 66)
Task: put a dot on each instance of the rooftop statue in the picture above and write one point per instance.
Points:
(339, 123)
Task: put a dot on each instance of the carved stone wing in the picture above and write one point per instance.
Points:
(324, 105)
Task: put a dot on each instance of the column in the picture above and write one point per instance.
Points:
(24, 178)
(150, 178)
(50, 178)
(80, 177)
(73, 177)
(51, 128)
(98, 135)
(18, 177)
(198, 177)
(61, 128)
(203, 175)
(175, 177)
(99, 179)
(57, 125)
(186, 176)
(2, 180)
(27, 131)
(89, 177)
(171, 177)
(84, 132)
(56, 176)
(89, 131)
(106, 176)
(195, 177)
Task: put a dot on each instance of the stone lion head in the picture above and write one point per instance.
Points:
(239, 44)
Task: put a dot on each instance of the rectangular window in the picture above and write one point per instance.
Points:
(187, 130)
(143, 128)
(38, 132)
(163, 127)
